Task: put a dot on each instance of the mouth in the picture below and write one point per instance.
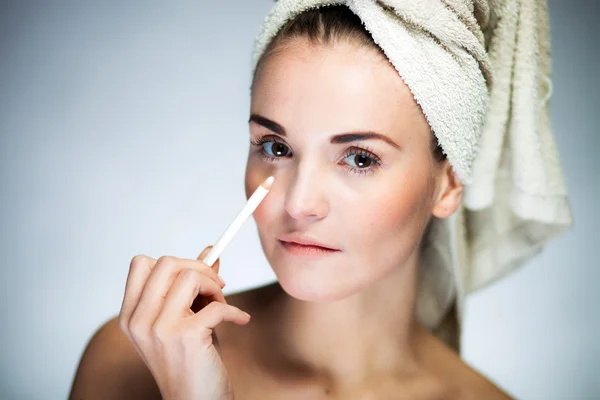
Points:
(306, 247)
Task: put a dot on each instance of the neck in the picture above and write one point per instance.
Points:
(370, 333)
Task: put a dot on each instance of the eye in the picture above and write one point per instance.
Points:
(359, 160)
(275, 149)
(270, 149)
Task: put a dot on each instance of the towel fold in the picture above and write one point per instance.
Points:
(480, 71)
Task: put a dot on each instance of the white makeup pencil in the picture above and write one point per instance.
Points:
(259, 194)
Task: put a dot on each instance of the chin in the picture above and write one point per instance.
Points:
(313, 276)
(314, 287)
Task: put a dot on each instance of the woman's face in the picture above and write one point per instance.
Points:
(354, 172)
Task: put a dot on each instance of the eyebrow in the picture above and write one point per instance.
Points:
(336, 139)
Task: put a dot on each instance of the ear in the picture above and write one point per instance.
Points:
(449, 192)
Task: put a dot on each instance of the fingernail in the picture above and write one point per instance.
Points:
(248, 315)
(221, 280)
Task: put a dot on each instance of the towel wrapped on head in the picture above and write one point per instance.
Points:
(480, 72)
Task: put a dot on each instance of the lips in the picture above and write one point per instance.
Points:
(307, 250)
(306, 241)
(306, 246)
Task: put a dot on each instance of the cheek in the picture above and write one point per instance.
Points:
(266, 216)
(265, 212)
(390, 223)
(256, 173)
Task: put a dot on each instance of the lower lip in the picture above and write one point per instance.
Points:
(307, 251)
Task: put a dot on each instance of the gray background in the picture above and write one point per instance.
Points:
(123, 131)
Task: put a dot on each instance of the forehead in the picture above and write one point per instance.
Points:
(332, 87)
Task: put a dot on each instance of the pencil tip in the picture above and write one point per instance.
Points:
(267, 184)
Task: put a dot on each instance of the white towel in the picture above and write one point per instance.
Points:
(480, 71)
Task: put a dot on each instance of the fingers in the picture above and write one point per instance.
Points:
(216, 313)
(217, 263)
(148, 284)
(204, 253)
(158, 284)
(139, 271)
(188, 284)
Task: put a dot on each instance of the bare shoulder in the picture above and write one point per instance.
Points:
(256, 299)
(476, 386)
(241, 345)
(464, 381)
(255, 302)
(110, 368)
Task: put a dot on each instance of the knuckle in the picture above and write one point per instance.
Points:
(123, 325)
(168, 262)
(137, 328)
(138, 261)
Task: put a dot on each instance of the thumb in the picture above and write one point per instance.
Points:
(204, 253)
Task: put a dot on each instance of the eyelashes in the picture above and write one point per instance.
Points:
(272, 149)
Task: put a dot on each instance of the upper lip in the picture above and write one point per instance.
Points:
(305, 240)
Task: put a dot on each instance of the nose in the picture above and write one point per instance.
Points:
(305, 198)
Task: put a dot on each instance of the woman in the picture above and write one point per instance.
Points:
(360, 181)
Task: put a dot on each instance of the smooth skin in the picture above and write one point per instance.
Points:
(340, 326)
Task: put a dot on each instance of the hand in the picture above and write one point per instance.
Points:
(170, 309)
